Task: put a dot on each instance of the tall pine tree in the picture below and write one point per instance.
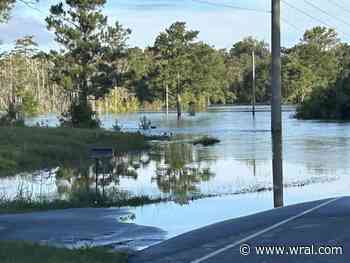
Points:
(87, 65)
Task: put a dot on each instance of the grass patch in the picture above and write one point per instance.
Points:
(83, 199)
(23, 252)
(30, 148)
(206, 141)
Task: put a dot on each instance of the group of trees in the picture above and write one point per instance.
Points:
(321, 71)
(25, 81)
(95, 69)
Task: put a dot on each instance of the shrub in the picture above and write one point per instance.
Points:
(206, 141)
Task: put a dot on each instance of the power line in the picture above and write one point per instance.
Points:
(245, 9)
(30, 4)
(339, 6)
(297, 29)
(326, 13)
(312, 17)
(231, 6)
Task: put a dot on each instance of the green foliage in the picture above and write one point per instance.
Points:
(119, 100)
(96, 67)
(80, 116)
(240, 63)
(25, 201)
(324, 86)
(89, 65)
(328, 103)
(24, 252)
(5, 7)
(172, 50)
(206, 141)
(311, 64)
(12, 117)
(30, 105)
(24, 80)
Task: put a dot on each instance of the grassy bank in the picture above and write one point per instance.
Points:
(26, 205)
(28, 149)
(22, 252)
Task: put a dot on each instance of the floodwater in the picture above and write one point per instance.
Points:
(235, 174)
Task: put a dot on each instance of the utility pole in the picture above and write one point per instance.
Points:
(254, 88)
(167, 99)
(276, 115)
(178, 98)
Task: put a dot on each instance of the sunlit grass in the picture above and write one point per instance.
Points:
(23, 252)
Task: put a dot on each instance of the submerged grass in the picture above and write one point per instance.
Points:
(30, 148)
(206, 141)
(23, 252)
(25, 204)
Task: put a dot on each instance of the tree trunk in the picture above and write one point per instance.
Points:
(178, 106)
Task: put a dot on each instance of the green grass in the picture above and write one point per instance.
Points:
(28, 149)
(22, 252)
(25, 205)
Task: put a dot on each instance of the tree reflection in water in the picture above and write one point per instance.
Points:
(80, 182)
(179, 173)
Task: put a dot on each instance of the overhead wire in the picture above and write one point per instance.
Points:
(340, 6)
(231, 6)
(326, 13)
(312, 17)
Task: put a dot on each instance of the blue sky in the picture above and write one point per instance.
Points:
(219, 25)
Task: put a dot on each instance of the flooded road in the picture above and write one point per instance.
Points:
(237, 171)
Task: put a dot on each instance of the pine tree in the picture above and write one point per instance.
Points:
(86, 66)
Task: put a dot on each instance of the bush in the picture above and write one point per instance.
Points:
(80, 116)
(328, 103)
(206, 141)
(13, 117)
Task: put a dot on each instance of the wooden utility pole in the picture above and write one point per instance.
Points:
(178, 98)
(254, 88)
(276, 115)
(167, 99)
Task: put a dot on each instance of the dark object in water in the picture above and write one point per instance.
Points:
(101, 152)
(161, 137)
(206, 141)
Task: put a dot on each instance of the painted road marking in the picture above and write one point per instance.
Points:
(221, 250)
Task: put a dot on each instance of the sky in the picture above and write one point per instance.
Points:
(220, 22)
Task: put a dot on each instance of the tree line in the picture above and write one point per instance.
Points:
(95, 70)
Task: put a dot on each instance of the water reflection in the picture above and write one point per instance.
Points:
(314, 152)
(178, 173)
(101, 178)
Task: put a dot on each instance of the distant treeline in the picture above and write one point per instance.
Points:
(98, 66)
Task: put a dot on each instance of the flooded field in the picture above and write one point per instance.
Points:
(236, 173)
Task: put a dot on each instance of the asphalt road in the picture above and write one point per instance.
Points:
(307, 229)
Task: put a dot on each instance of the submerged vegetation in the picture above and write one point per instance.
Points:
(26, 202)
(20, 252)
(28, 149)
(206, 141)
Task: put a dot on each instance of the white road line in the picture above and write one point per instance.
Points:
(219, 251)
